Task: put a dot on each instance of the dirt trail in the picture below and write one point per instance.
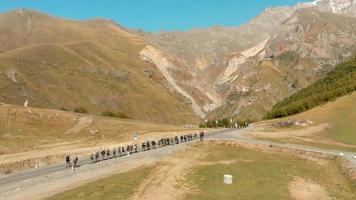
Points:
(166, 177)
(301, 189)
(292, 133)
(83, 123)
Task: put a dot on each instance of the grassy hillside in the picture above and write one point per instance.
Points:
(340, 81)
(328, 126)
(91, 66)
(339, 115)
(25, 129)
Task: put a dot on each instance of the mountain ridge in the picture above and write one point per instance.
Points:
(202, 54)
(237, 72)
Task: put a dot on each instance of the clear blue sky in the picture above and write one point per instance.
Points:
(153, 15)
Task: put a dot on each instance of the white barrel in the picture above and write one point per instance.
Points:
(227, 179)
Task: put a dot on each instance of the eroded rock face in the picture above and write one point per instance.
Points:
(321, 37)
(151, 54)
(247, 69)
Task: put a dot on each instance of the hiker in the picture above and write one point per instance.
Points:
(92, 157)
(96, 156)
(119, 151)
(202, 136)
(108, 153)
(103, 154)
(75, 162)
(67, 161)
(123, 150)
(113, 153)
(148, 146)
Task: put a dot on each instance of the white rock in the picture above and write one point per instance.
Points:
(11, 74)
(227, 179)
(26, 104)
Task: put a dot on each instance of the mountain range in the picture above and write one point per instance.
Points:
(173, 77)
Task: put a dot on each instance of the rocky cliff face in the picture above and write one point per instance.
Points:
(242, 71)
(347, 7)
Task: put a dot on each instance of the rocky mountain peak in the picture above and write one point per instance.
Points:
(334, 6)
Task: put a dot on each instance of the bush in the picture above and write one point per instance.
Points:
(108, 114)
(114, 114)
(80, 109)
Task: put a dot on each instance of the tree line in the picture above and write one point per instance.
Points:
(224, 122)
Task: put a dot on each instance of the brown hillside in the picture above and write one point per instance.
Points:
(64, 64)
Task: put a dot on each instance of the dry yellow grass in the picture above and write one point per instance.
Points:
(64, 64)
(36, 136)
(25, 129)
(336, 117)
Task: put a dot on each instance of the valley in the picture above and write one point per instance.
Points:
(168, 114)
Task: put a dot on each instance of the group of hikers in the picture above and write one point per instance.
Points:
(75, 162)
(134, 148)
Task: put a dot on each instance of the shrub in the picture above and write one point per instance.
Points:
(108, 114)
(80, 109)
(114, 114)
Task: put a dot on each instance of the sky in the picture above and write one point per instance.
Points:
(153, 15)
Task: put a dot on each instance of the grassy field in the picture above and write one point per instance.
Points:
(119, 187)
(262, 175)
(257, 175)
